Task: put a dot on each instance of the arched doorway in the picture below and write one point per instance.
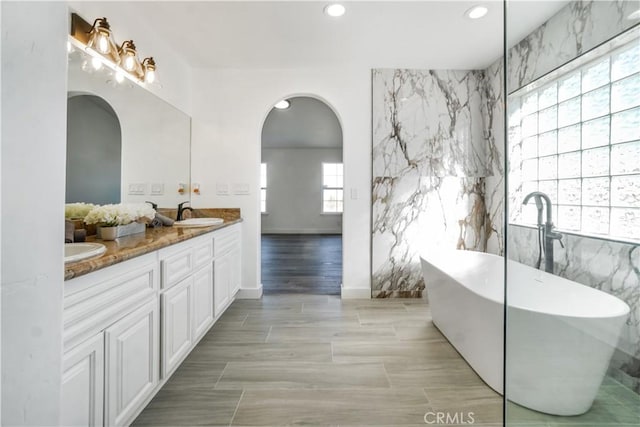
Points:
(94, 151)
(302, 198)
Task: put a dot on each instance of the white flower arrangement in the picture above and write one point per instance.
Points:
(77, 210)
(120, 214)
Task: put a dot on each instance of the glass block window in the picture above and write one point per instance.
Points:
(332, 188)
(263, 187)
(577, 139)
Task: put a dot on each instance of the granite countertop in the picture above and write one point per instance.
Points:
(128, 247)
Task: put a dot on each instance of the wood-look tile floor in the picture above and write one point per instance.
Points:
(320, 361)
(317, 360)
(301, 263)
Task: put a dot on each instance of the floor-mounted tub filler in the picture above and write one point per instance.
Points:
(560, 334)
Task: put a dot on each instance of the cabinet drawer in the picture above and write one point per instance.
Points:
(95, 306)
(176, 268)
(225, 241)
(202, 253)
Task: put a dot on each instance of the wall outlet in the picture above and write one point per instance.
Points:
(137, 189)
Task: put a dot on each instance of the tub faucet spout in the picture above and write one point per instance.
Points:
(549, 232)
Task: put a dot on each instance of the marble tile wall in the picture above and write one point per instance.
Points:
(574, 30)
(433, 147)
(607, 265)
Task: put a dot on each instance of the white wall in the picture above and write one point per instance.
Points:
(229, 109)
(34, 98)
(294, 191)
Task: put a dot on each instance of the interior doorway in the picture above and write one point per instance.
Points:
(302, 198)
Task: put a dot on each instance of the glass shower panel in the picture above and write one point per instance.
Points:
(572, 288)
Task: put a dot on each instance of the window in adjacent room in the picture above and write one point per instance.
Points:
(332, 192)
(263, 187)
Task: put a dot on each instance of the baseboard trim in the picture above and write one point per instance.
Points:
(302, 231)
(255, 293)
(356, 293)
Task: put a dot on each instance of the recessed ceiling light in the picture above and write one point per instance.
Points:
(334, 10)
(634, 15)
(476, 12)
(282, 105)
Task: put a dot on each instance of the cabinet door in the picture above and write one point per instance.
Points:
(132, 363)
(177, 318)
(202, 300)
(83, 384)
(222, 282)
(236, 270)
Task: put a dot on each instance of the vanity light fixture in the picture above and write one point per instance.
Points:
(98, 41)
(129, 59)
(335, 10)
(149, 67)
(283, 105)
(476, 12)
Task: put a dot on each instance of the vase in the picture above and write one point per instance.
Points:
(108, 233)
(105, 233)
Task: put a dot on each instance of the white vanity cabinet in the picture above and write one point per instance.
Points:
(128, 327)
(131, 363)
(111, 342)
(83, 384)
(186, 298)
(226, 267)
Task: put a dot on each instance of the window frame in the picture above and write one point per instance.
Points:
(324, 187)
(263, 187)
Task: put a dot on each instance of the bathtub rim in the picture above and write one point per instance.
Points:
(622, 309)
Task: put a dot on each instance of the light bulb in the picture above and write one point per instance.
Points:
(129, 63)
(119, 76)
(335, 10)
(97, 64)
(103, 44)
(476, 12)
(150, 76)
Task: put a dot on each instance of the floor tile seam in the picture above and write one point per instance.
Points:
(221, 374)
(386, 374)
(325, 388)
(245, 319)
(236, 410)
(266, 339)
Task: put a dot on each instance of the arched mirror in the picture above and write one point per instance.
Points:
(94, 151)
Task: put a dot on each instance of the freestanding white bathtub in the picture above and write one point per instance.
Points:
(560, 334)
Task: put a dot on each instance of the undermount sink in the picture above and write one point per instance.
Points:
(78, 251)
(198, 222)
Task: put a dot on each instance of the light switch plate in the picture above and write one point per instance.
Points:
(354, 194)
(157, 189)
(138, 189)
(222, 189)
(240, 188)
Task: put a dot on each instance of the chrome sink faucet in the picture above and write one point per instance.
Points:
(181, 209)
(548, 229)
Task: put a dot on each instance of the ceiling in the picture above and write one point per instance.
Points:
(307, 123)
(374, 34)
